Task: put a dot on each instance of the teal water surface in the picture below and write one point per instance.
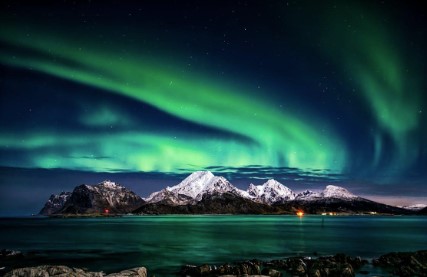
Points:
(164, 243)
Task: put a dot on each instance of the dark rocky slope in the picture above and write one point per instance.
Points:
(422, 211)
(106, 198)
(226, 203)
(334, 205)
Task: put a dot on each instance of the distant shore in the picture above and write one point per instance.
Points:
(405, 264)
(100, 215)
(92, 215)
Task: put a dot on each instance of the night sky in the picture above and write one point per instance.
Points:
(308, 92)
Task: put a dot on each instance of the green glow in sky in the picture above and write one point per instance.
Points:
(364, 44)
(275, 137)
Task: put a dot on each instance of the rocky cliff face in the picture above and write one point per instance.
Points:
(55, 203)
(106, 197)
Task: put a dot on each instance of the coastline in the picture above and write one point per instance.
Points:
(404, 264)
(100, 215)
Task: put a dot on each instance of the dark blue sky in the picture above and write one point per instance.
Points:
(145, 93)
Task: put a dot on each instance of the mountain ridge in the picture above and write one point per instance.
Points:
(204, 193)
(200, 183)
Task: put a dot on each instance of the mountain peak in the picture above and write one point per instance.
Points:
(194, 183)
(202, 173)
(273, 183)
(337, 192)
(270, 192)
(206, 174)
(109, 184)
(194, 187)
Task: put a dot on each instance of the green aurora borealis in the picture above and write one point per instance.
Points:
(194, 98)
(341, 92)
(389, 78)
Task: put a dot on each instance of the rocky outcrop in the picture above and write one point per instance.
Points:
(339, 265)
(247, 267)
(404, 264)
(133, 272)
(64, 271)
(10, 254)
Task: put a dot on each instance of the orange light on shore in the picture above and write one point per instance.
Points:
(106, 211)
(300, 213)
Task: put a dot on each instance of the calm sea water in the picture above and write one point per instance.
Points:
(164, 243)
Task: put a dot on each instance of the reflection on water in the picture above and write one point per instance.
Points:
(164, 243)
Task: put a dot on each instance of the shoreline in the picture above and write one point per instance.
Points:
(405, 264)
(215, 214)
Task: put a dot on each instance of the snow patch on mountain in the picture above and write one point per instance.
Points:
(107, 184)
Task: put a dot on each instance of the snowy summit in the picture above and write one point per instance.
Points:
(201, 183)
(109, 185)
(270, 192)
(194, 187)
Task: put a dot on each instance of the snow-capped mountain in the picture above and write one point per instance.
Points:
(203, 183)
(337, 192)
(194, 188)
(204, 193)
(270, 192)
(329, 192)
